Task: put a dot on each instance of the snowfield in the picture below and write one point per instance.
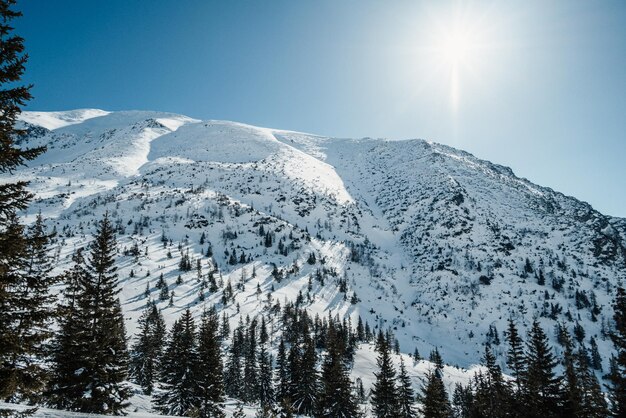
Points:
(433, 242)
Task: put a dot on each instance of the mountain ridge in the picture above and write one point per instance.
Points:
(432, 241)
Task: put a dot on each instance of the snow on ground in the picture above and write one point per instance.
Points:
(432, 241)
(55, 120)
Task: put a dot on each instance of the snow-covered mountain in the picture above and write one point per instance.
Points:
(431, 241)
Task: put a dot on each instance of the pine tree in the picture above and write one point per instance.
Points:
(93, 381)
(384, 393)
(264, 360)
(435, 403)
(250, 370)
(179, 367)
(65, 385)
(542, 393)
(32, 325)
(617, 376)
(20, 374)
(572, 396)
(593, 402)
(304, 380)
(148, 348)
(406, 395)
(282, 375)
(515, 355)
(492, 396)
(210, 369)
(336, 398)
(233, 379)
(463, 401)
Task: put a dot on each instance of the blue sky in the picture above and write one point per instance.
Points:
(538, 86)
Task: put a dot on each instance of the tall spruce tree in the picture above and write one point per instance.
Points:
(435, 402)
(32, 325)
(572, 390)
(593, 402)
(66, 385)
(233, 378)
(148, 348)
(617, 375)
(406, 395)
(384, 393)
(336, 397)
(179, 367)
(542, 393)
(304, 379)
(492, 397)
(264, 360)
(282, 375)
(93, 378)
(21, 376)
(250, 391)
(210, 369)
(515, 359)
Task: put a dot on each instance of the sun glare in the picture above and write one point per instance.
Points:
(458, 44)
(456, 48)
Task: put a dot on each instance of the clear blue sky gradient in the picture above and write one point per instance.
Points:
(546, 95)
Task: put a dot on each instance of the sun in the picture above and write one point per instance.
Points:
(456, 47)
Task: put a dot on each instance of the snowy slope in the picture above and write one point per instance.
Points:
(432, 240)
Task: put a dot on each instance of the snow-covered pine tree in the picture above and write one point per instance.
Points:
(178, 369)
(148, 348)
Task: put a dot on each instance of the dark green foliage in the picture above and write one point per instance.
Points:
(233, 378)
(179, 367)
(515, 358)
(264, 361)
(304, 380)
(617, 375)
(250, 388)
(336, 398)
(282, 374)
(463, 401)
(148, 348)
(406, 395)
(542, 393)
(384, 393)
(31, 310)
(20, 374)
(492, 396)
(435, 403)
(436, 359)
(91, 359)
(210, 369)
